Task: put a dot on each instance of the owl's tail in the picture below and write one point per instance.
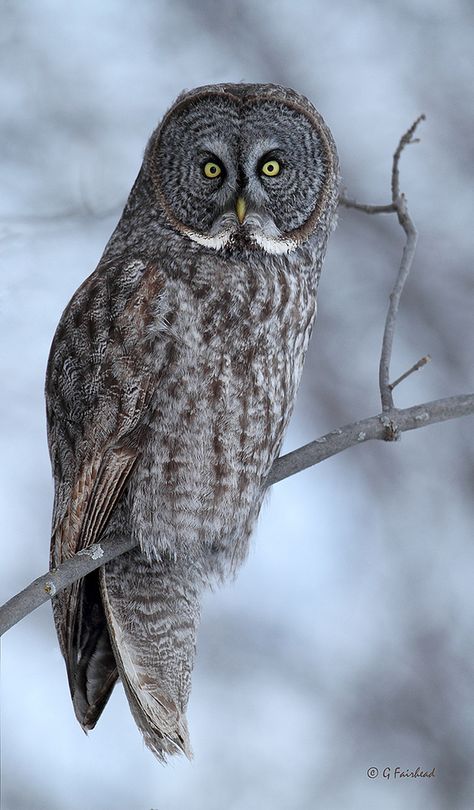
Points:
(152, 611)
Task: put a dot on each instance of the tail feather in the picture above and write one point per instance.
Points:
(152, 611)
(85, 644)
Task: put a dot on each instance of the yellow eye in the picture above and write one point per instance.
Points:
(271, 168)
(211, 169)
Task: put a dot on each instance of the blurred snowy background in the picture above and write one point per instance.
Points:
(346, 641)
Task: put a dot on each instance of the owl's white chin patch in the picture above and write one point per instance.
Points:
(217, 242)
(263, 231)
(272, 244)
(257, 228)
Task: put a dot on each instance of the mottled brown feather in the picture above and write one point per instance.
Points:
(113, 430)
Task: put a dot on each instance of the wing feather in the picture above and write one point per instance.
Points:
(97, 388)
(110, 480)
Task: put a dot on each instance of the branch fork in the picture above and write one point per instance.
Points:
(400, 207)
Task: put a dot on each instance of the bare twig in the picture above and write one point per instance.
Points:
(389, 330)
(416, 367)
(374, 427)
(399, 201)
(406, 139)
(398, 206)
(46, 586)
(347, 202)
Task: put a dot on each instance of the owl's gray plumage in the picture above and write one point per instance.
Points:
(171, 380)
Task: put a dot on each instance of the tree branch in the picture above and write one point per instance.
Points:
(398, 205)
(48, 585)
(383, 426)
(347, 202)
(387, 425)
(415, 367)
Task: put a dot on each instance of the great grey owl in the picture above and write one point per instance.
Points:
(171, 380)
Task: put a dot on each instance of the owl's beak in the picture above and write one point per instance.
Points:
(240, 209)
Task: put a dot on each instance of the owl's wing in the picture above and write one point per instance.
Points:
(97, 393)
(78, 612)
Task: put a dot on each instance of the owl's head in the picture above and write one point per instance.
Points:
(244, 164)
